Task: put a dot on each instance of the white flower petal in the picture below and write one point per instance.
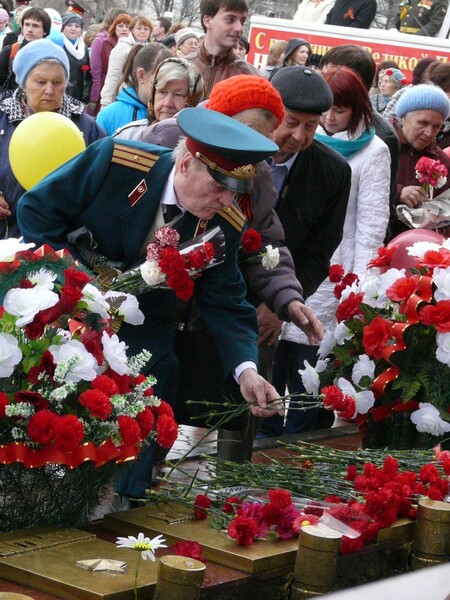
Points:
(115, 354)
(85, 366)
(364, 367)
(95, 300)
(129, 308)
(10, 354)
(428, 420)
(25, 303)
(9, 247)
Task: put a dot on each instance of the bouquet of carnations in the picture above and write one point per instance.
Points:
(387, 363)
(68, 392)
(435, 212)
(431, 173)
(169, 264)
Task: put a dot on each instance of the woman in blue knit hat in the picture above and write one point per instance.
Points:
(42, 72)
(421, 112)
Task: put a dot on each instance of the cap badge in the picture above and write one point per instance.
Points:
(244, 171)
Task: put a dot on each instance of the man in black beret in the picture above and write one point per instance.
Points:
(313, 184)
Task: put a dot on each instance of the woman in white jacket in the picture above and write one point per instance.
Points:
(346, 128)
(140, 32)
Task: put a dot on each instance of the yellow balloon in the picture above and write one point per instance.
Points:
(40, 144)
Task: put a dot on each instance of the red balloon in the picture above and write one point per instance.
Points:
(401, 259)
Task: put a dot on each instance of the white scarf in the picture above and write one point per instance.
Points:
(77, 50)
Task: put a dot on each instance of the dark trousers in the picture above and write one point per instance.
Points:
(135, 479)
(289, 358)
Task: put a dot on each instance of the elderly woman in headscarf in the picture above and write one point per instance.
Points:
(421, 112)
(177, 84)
(42, 72)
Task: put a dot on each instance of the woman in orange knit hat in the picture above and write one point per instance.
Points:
(254, 101)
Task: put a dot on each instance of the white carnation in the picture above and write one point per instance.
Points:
(271, 257)
(151, 273)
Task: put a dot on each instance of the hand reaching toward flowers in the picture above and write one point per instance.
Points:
(412, 195)
(304, 317)
(257, 391)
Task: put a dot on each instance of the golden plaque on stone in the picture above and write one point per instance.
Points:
(46, 559)
(176, 522)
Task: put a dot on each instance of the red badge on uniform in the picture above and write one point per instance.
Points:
(138, 192)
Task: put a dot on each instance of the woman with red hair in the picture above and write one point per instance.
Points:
(347, 128)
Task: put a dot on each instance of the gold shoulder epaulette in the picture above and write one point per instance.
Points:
(233, 216)
(133, 158)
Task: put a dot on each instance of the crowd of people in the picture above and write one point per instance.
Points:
(178, 119)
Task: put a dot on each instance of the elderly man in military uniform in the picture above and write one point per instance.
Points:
(117, 190)
(420, 17)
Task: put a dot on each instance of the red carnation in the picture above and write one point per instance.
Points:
(436, 258)
(105, 384)
(146, 422)
(171, 260)
(348, 410)
(429, 474)
(251, 241)
(437, 315)
(41, 427)
(230, 505)
(201, 502)
(351, 473)
(182, 285)
(333, 397)
(243, 530)
(164, 408)
(97, 403)
(85, 68)
(124, 382)
(376, 336)
(129, 430)
(280, 498)
(384, 257)
(69, 433)
(349, 307)
(188, 548)
(166, 430)
(403, 288)
(336, 273)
